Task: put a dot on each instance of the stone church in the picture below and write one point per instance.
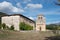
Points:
(40, 23)
(15, 19)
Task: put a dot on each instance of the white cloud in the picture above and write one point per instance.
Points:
(34, 6)
(9, 8)
(17, 10)
(31, 18)
(18, 4)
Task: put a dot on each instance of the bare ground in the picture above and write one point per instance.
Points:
(22, 35)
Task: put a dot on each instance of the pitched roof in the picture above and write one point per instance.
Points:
(22, 16)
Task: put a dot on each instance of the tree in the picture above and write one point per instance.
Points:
(7, 27)
(59, 0)
(21, 26)
(53, 27)
(58, 3)
(24, 26)
(4, 26)
(2, 14)
(0, 26)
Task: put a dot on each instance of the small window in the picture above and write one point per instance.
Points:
(38, 17)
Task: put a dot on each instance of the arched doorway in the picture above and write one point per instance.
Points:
(40, 28)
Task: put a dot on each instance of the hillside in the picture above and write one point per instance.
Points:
(57, 23)
(2, 14)
(21, 35)
(55, 26)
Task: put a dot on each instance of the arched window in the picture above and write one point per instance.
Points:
(41, 17)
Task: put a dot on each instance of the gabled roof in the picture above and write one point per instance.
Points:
(24, 17)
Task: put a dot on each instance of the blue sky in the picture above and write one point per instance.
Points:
(31, 8)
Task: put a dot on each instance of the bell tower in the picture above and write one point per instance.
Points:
(40, 23)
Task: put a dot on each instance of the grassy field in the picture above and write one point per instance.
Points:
(30, 35)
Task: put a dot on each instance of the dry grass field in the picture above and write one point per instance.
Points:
(22, 35)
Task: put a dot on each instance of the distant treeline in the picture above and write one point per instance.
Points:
(53, 26)
(50, 26)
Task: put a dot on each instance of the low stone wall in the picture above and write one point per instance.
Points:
(54, 31)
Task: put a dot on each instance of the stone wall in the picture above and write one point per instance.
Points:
(15, 20)
(11, 20)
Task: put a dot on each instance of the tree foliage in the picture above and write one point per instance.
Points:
(12, 27)
(0, 26)
(3, 26)
(53, 27)
(24, 26)
(59, 0)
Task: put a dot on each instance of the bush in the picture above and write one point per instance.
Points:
(12, 27)
(7, 28)
(24, 26)
(4, 26)
(21, 26)
(0, 26)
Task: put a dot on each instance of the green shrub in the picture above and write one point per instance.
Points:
(0, 26)
(24, 26)
(21, 26)
(12, 27)
(4, 26)
(7, 28)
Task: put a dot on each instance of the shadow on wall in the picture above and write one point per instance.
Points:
(52, 38)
